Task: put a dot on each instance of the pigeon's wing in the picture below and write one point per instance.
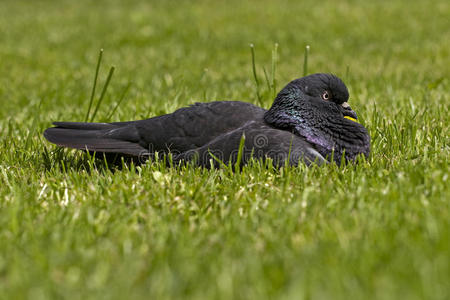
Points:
(260, 142)
(192, 127)
(185, 129)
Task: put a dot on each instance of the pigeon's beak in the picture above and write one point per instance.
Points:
(348, 112)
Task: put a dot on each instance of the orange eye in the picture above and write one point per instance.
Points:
(325, 96)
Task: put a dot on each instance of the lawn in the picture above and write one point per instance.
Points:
(72, 227)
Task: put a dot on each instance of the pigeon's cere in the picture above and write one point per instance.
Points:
(309, 121)
(350, 118)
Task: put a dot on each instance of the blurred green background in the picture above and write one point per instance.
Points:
(200, 49)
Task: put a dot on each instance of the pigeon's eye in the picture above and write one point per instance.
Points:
(325, 96)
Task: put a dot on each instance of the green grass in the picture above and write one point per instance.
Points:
(73, 228)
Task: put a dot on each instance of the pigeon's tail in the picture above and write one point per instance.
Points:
(120, 138)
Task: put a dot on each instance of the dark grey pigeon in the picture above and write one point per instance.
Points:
(309, 121)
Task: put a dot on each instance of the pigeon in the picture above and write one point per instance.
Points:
(309, 122)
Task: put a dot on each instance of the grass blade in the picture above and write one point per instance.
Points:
(237, 166)
(267, 78)
(100, 55)
(255, 76)
(105, 87)
(305, 61)
(125, 91)
(274, 69)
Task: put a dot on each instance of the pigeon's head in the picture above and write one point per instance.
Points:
(326, 86)
(329, 88)
(316, 107)
(317, 92)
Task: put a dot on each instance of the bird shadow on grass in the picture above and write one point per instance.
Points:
(64, 160)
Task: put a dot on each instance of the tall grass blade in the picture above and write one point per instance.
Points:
(125, 91)
(105, 87)
(255, 76)
(237, 166)
(100, 55)
(274, 69)
(267, 79)
(305, 61)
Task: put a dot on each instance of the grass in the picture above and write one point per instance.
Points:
(73, 228)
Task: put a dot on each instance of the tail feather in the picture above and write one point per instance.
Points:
(90, 126)
(98, 137)
(83, 126)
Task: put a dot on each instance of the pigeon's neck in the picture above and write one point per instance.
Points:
(331, 138)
